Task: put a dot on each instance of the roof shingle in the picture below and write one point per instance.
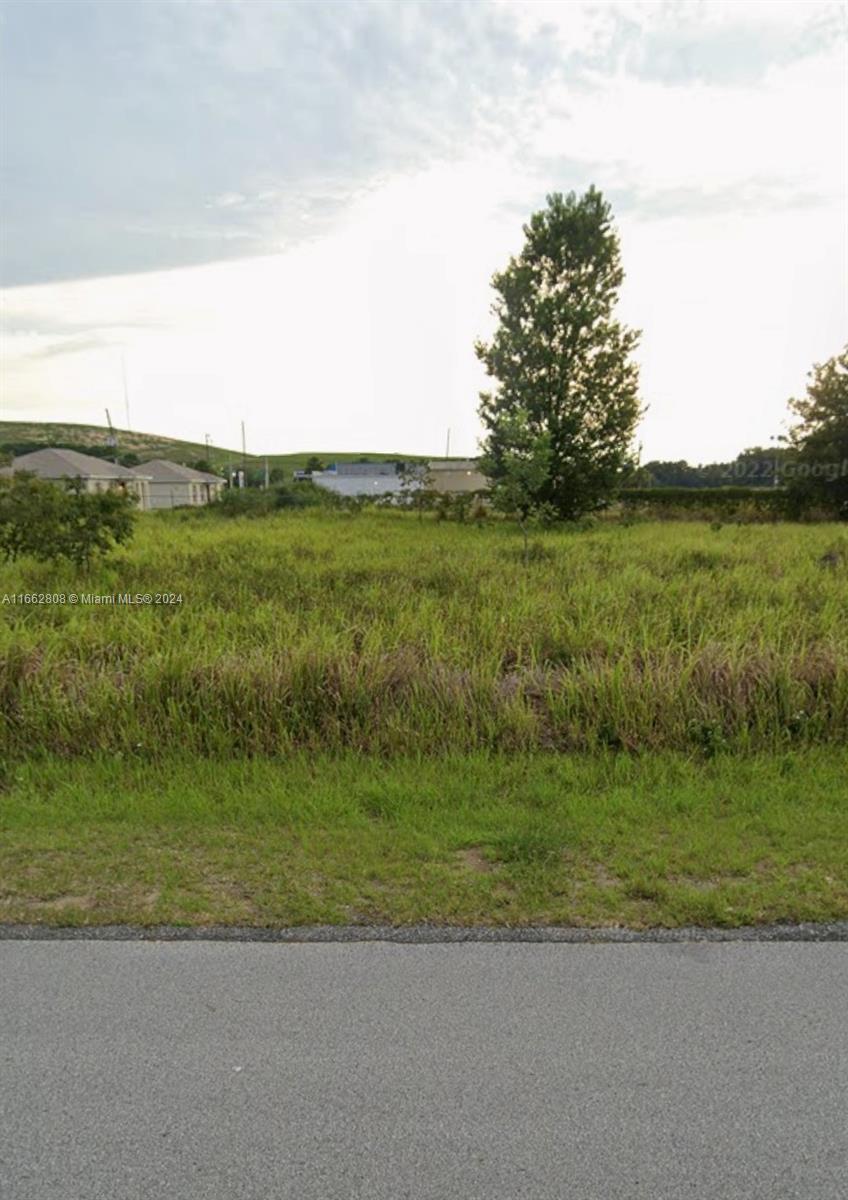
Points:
(51, 463)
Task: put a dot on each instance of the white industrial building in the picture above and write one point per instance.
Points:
(357, 479)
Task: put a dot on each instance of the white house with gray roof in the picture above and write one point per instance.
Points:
(90, 473)
(172, 485)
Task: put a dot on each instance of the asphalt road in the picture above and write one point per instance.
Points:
(482, 1072)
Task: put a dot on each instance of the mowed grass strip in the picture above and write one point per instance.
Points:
(390, 636)
(659, 840)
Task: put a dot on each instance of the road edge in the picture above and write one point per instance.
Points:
(835, 931)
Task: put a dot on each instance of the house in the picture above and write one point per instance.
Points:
(172, 485)
(92, 474)
(378, 478)
(358, 479)
(456, 475)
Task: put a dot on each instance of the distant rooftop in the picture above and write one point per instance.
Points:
(61, 464)
(162, 470)
(454, 464)
(366, 468)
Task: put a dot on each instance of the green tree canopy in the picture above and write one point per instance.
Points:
(560, 358)
(818, 465)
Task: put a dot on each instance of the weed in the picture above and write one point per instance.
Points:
(393, 635)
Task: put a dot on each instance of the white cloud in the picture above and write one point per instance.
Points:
(789, 128)
(227, 200)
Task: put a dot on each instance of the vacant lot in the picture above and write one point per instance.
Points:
(387, 635)
(375, 717)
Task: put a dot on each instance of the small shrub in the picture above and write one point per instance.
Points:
(47, 521)
(261, 502)
(835, 555)
(708, 736)
(582, 524)
(479, 509)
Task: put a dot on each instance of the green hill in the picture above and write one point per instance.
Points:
(17, 437)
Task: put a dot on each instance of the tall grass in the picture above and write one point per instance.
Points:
(388, 635)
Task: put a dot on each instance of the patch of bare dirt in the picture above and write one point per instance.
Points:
(603, 877)
(63, 903)
(473, 859)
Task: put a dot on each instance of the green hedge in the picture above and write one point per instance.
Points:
(733, 503)
(774, 499)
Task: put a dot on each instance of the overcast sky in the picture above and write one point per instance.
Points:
(290, 213)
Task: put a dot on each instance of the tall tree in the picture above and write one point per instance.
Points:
(560, 358)
(818, 465)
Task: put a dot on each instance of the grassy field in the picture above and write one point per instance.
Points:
(359, 717)
(386, 635)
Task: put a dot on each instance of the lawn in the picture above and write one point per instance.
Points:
(566, 839)
(371, 717)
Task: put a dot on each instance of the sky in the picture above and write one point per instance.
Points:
(289, 214)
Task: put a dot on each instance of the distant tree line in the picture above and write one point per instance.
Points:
(757, 467)
(10, 450)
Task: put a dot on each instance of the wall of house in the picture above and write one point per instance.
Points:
(181, 493)
(357, 485)
(141, 489)
(136, 487)
(448, 480)
(169, 495)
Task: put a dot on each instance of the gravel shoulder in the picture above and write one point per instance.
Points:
(835, 931)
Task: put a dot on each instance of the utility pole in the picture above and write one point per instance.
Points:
(447, 446)
(126, 392)
(243, 457)
(266, 472)
(111, 440)
(206, 440)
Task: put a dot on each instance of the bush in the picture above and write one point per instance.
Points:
(458, 506)
(259, 502)
(744, 504)
(47, 521)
